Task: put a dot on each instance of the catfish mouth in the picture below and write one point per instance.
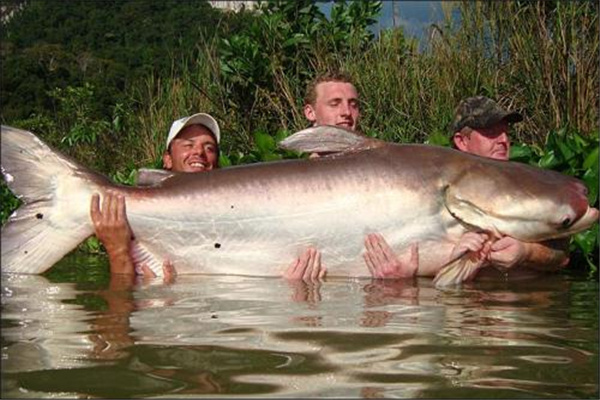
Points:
(583, 216)
(590, 216)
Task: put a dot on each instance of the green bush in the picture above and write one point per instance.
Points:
(572, 154)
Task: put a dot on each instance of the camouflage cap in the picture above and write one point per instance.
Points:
(481, 112)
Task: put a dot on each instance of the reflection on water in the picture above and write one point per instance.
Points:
(240, 336)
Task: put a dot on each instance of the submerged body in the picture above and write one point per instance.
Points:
(250, 219)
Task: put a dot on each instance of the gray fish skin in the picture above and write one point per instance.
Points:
(255, 219)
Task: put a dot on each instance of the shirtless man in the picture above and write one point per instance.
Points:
(192, 146)
(480, 127)
(332, 99)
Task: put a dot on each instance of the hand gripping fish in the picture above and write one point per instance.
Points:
(254, 219)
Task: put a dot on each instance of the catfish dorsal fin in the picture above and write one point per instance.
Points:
(152, 177)
(327, 139)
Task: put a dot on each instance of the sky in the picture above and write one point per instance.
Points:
(414, 16)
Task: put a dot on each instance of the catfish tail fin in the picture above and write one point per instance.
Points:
(55, 192)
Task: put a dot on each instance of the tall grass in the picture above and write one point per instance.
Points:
(161, 100)
(539, 57)
(524, 55)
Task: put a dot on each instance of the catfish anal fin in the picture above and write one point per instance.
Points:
(142, 255)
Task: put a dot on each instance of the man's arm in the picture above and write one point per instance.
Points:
(112, 229)
(550, 255)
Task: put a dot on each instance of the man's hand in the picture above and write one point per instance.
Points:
(468, 256)
(474, 242)
(113, 230)
(307, 267)
(550, 255)
(304, 276)
(508, 252)
(384, 264)
(169, 272)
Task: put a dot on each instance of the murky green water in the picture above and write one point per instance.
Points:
(255, 337)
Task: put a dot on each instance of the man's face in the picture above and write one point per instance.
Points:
(492, 142)
(194, 149)
(336, 104)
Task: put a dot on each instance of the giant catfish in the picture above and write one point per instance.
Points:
(254, 219)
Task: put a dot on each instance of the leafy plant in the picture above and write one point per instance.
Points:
(76, 115)
(264, 149)
(125, 178)
(570, 153)
(267, 67)
(8, 202)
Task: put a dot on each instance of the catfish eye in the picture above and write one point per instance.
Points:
(566, 222)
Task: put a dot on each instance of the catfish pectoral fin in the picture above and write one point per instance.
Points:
(457, 271)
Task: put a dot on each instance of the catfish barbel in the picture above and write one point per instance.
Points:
(254, 219)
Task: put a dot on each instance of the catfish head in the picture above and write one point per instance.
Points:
(518, 200)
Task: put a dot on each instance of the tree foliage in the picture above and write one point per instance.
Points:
(109, 44)
(267, 67)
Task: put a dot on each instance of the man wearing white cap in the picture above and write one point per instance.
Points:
(192, 146)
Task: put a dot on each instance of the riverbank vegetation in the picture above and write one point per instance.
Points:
(102, 81)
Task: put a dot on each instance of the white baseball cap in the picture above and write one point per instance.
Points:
(200, 118)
